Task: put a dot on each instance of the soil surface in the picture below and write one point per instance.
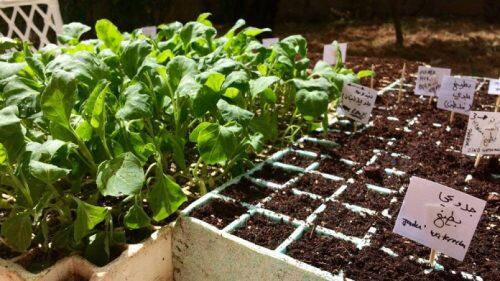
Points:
(273, 174)
(295, 159)
(327, 253)
(337, 217)
(246, 191)
(317, 184)
(295, 206)
(219, 213)
(264, 232)
(359, 194)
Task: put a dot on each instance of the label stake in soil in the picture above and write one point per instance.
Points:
(400, 94)
(432, 257)
(452, 117)
(430, 100)
(371, 78)
(478, 159)
(497, 104)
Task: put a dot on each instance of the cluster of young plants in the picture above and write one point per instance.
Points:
(96, 135)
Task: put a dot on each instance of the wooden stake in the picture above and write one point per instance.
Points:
(355, 127)
(478, 159)
(497, 104)
(430, 100)
(371, 78)
(402, 81)
(452, 117)
(432, 257)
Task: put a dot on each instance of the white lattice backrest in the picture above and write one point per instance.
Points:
(37, 21)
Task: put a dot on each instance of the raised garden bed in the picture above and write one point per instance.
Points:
(350, 233)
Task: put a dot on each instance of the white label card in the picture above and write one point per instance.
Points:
(149, 30)
(494, 88)
(269, 42)
(357, 102)
(330, 53)
(483, 133)
(456, 94)
(439, 217)
(429, 80)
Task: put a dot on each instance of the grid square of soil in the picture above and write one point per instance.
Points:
(296, 206)
(334, 166)
(317, 184)
(385, 159)
(339, 218)
(264, 232)
(219, 213)
(376, 175)
(359, 194)
(373, 264)
(296, 159)
(324, 252)
(246, 191)
(274, 174)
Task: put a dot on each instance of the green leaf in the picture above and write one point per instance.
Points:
(165, 197)
(206, 99)
(365, 73)
(133, 56)
(254, 31)
(45, 172)
(11, 133)
(217, 143)
(262, 83)
(237, 79)
(231, 112)
(98, 250)
(256, 141)
(176, 145)
(120, 176)
(17, 231)
(83, 130)
(58, 98)
(95, 105)
(311, 103)
(203, 18)
(8, 69)
(87, 217)
(193, 137)
(137, 103)
(215, 81)
(18, 91)
(108, 33)
(7, 43)
(179, 67)
(266, 124)
(4, 160)
(136, 217)
(72, 32)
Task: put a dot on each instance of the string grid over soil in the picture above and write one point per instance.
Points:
(403, 140)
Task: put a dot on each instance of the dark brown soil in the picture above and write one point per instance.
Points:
(334, 166)
(264, 232)
(358, 194)
(317, 184)
(339, 218)
(7, 253)
(376, 175)
(296, 206)
(295, 159)
(327, 253)
(246, 191)
(219, 213)
(274, 174)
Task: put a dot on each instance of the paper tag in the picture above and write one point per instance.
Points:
(269, 42)
(429, 80)
(357, 102)
(149, 30)
(439, 217)
(483, 133)
(456, 94)
(494, 88)
(330, 53)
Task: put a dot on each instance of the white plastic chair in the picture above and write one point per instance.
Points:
(37, 21)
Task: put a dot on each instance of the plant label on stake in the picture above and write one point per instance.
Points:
(330, 53)
(483, 133)
(357, 102)
(149, 30)
(269, 42)
(494, 89)
(429, 80)
(456, 95)
(439, 217)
